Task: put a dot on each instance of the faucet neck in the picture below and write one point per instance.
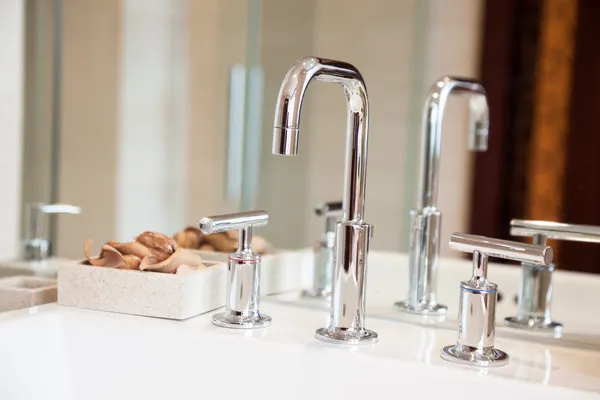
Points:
(357, 128)
(287, 122)
(431, 131)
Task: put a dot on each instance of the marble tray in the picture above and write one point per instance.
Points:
(171, 296)
(152, 294)
(25, 291)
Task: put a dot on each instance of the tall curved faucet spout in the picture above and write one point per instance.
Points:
(426, 219)
(431, 130)
(286, 130)
(352, 233)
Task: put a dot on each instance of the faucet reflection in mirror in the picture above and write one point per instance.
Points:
(347, 322)
(535, 290)
(37, 246)
(426, 218)
(323, 252)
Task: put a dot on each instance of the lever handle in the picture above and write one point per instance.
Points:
(243, 273)
(477, 304)
(59, 209)
(329, 209)
(229, 222)
(242, 221)
(543, 230)
(36, 216)
(506, 249)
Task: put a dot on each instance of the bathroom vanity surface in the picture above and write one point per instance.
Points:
(54, 352)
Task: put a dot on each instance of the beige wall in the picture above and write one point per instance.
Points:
(88, 115)
(377, 37)
(103, 122)
(12, 19)
(453, 45)
(284, 181)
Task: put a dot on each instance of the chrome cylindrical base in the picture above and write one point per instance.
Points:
(433, 309)
(465, 355)
(346, 336)
(347, 321)
(476, 321)
(536, 324)
(234, 320)
(243, 294)
(323, 269)
(534, 300)
(423, 259)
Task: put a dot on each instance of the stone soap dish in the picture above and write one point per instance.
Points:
(25, 291)
(152, 294)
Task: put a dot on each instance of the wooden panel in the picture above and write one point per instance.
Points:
(582, 186)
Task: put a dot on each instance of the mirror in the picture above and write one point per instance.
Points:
(150, 115)
(165, 114)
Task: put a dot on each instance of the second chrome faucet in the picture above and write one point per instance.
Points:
(426, 219)
(347, 320)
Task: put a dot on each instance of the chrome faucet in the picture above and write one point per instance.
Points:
(535, 291)
(347, 321)
(426, 220)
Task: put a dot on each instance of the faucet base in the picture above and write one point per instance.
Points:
(432, 309)
(316, 294)
(346, 336)
(464, 355)
(534, 324)
(236, 320)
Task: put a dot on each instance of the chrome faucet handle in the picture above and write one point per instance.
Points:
(535, 291)
(243, 274)
(323, 252)
(543, 230)
(37, 246)
(477, 305)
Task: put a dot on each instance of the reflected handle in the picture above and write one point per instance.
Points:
(60, 209)
(537, 254)
(37, 212)
(331, 211)
(542, 230)
(37, 246)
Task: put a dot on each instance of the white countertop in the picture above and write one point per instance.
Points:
(54, 352)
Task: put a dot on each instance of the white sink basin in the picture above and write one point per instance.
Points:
(78, 354)
(74, 353)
